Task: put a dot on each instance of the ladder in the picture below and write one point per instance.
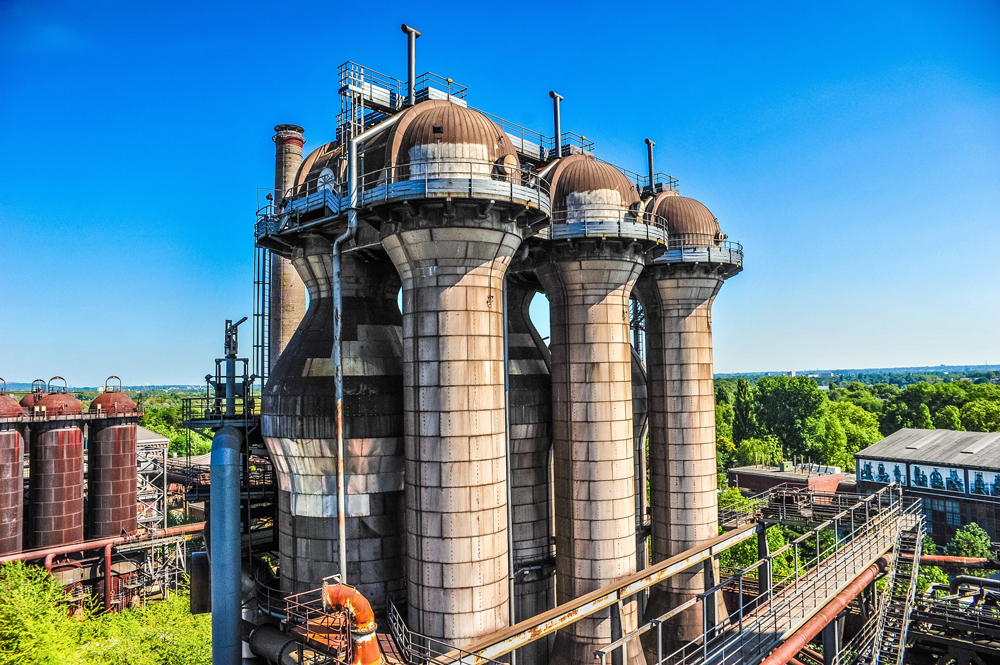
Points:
(894, 617)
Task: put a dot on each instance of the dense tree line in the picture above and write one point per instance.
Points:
(783, 417)
(162, 414)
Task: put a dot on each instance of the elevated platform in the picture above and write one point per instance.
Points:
(610, 222)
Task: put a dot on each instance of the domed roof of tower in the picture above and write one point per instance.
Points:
(443, 130)
(9, 408)
(311, 176)
(579, 179)
(61, 404)
(32, 398)
(687, 218)
(113, 402)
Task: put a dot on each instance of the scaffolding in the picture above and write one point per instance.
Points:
(151, 490)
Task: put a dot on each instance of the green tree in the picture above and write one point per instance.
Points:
(793, 409)
(949, 417)
(971, 540)
(981, 415)
(724, 420)
(725, 455)
(35, 628)
(928, 575)
(860, 426)
(744, 554)
(766, 449)
(834, 442)
(745, 412)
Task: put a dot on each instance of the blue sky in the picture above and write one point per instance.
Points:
(853, 148)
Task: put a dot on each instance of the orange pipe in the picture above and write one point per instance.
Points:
(941, 560)
(810, 629)
(364, 642)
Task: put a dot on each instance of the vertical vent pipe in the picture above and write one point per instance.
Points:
(557, 120)
(649, 159)
(338, 332)
(411, 63)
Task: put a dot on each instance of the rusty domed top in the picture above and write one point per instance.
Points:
(688, 219)
(32, 398)
(579, 179)
(61, 404)
(9, 408)
(113, 402)
(445, 131)
(319, 167)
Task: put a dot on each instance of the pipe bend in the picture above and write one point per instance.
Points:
(364, 642)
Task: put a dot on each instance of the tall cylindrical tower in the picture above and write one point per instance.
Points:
(594, 257)
(55, 485)
(299, 425)
(287, 301)
(111, 466)
(678, 290)
(11, 478)
(450, 224)
(530, 411)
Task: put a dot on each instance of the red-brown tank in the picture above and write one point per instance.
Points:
(55, 486)
(38, 391)
(11, 479)
(111, 470)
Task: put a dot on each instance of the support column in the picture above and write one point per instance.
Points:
(452, 263)
(764, 572)
(588, 285)
(831, 643)
(684, 506)
(530, 409)
(287, 302)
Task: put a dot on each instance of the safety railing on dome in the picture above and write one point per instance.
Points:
(606, 221)
(692, 250)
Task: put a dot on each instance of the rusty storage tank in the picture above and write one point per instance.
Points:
(55, 486)
(11, 470)
(299, 425)
(38, 391)
(111, 469)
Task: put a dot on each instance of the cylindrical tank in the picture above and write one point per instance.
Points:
(111, 467)
(588, 282)
(287, 293)
(530, 413)
(300, 429)
(11, 479)
(38, 391)
(55, 486)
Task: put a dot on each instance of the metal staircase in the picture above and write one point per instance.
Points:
(890, 638)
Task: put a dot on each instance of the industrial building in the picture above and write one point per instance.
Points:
(82, 496)
(956, 474)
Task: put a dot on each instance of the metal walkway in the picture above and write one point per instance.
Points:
(894, 615)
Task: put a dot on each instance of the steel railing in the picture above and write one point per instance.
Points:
(419, 649)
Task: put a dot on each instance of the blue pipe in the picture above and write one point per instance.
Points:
(227, 608)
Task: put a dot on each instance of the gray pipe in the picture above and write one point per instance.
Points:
(225, 558)
(649, 152)
(556, 98)
(982, 582)
(270, 643)
(338, 333)
(411, 62)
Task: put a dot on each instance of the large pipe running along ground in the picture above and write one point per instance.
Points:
(100, 544)
(364, 642)
(810, 629)
(338, 333)
(227, 607)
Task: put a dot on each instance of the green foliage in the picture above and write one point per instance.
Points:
(766, 449)
(860, 428)
(724, 420)
(971, 540)
(745, 412)
(981, 415)
(163, 416)
(744, 554)
(928, 575)
(859, 395)
(725, 455)
(793, 409)
(949, 417)
(35, 628)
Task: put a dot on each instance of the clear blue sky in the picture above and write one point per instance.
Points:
(854, 149)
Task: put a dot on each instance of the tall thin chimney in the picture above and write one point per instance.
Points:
(287, 302)
(411, 62)
(649, 152)
(556, 98)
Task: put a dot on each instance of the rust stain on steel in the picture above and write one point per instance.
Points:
(55, 509)
(507, 640)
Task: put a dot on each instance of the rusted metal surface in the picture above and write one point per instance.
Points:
(576, 177)
(113, 404)
(953, 561)
(11, 487)
(51, 552)
(111, 478)
(687, 219)
(504, 641)
(60, 404)
(801, 637)
(55, 495)
(32, 398)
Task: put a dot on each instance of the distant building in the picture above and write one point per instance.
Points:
(757, 479)
(957, 474)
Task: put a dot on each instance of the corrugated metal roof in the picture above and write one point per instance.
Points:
(143, 435)
(979, 450)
